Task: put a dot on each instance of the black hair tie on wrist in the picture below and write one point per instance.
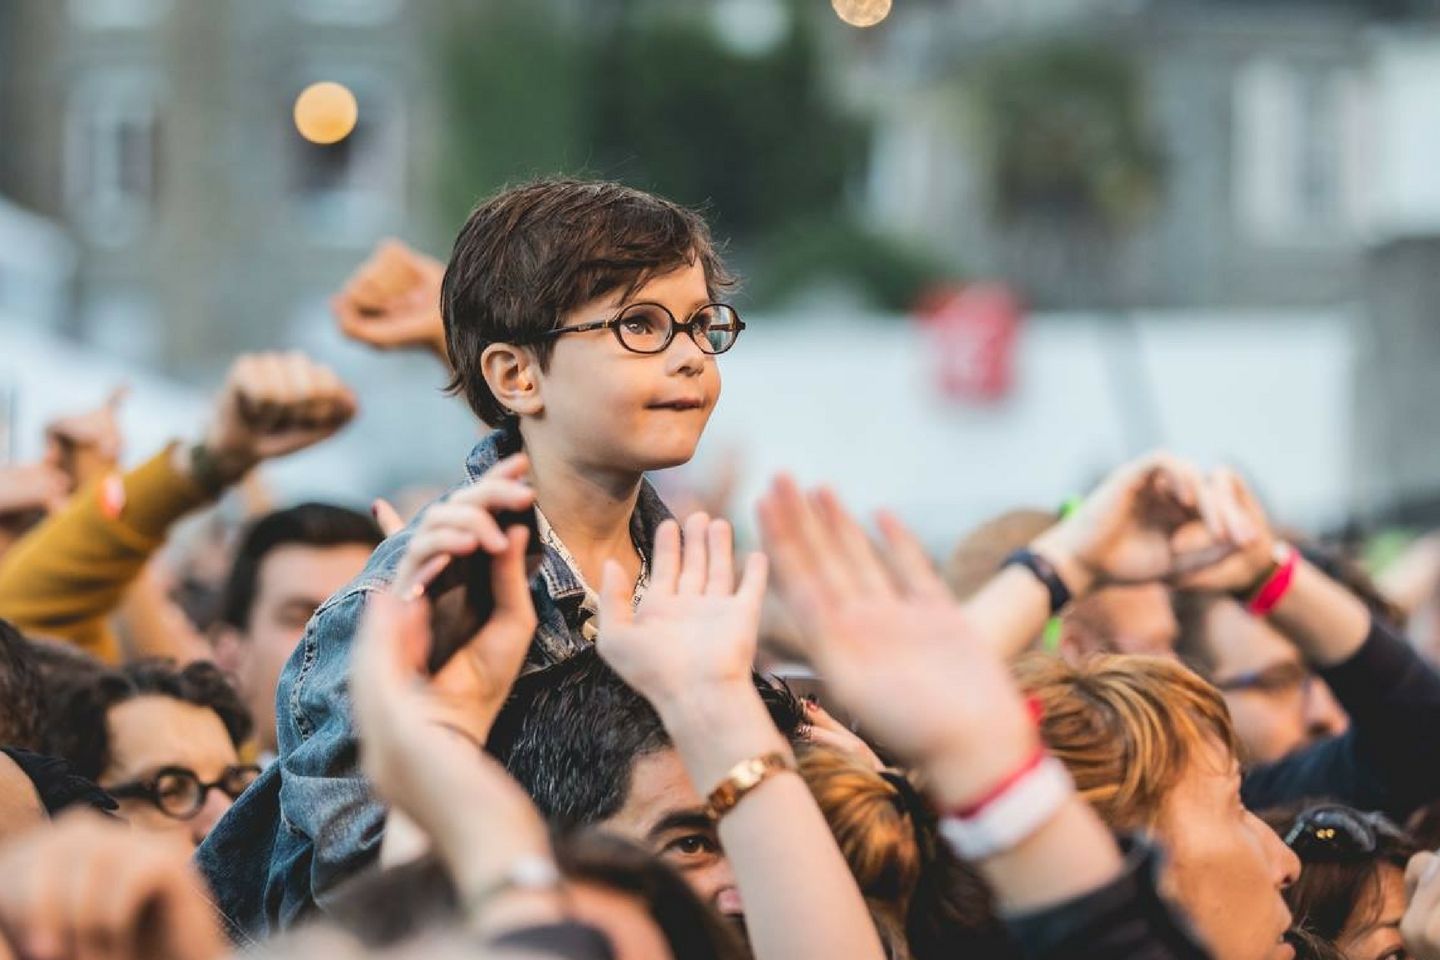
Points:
(1046, 573)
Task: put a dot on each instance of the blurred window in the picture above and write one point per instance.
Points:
(118, 14)
(112, 139)
(1293, 173)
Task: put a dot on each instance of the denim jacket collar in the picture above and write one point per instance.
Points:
(557, 636)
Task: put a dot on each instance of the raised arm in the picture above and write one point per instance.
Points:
(68, 574)
(688, 649)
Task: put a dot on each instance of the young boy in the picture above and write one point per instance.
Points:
(581, 320)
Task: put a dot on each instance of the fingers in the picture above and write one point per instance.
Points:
(909, 561)
(614, 599)
(753, 580)
(695, 558)
(851, 545)
(665, 565)
(284, 391)
(387, 517)
(721, 549)
(510, 581)
(795, 547)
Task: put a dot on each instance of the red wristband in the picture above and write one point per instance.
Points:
(1273, 590)
(975, 808)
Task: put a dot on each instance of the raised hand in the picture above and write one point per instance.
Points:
(273, 404)
(86, 445)
(1152, 519)
(694, 630)
(393, 301)
(467, 692)
(420, 745)
(35, 486)
(1255, 543)
(879, 625)
(87, 887)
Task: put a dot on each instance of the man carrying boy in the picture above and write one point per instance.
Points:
(581, 317)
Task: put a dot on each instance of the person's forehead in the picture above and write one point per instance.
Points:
(302, 570)
(659, 787)
(1240, 642)
(155, 731)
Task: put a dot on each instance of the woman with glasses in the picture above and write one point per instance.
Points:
(161, 739)
(1351, 890)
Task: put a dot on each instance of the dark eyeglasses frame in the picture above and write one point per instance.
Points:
(690, 327)
(1257, 680)
(149, 789)
(1332, 833)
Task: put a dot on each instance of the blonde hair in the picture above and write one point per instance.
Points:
(866, 813)
(1127, 727)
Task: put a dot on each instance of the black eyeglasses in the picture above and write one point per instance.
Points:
(1338, 834)
(1281, 679)
(177, 792)
(651, 327)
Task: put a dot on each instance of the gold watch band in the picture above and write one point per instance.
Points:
(744, 777)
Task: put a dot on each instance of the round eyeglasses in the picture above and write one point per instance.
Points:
(651, 327)
(177, 791)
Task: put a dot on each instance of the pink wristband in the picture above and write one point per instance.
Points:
(1268, 597)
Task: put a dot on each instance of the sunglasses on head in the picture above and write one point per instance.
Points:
(1339, 834)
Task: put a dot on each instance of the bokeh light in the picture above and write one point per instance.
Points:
(326, 112)
(861, 13)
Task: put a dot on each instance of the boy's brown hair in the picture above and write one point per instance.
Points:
(532, 253)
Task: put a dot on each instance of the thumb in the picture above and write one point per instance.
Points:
(508, 581)
(387, 517)
(614, 598)
(753, 580)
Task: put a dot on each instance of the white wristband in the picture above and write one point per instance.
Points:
(1014, 816)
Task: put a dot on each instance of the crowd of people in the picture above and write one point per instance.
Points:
(537, 716)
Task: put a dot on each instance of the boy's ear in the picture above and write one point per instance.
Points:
(513, 377)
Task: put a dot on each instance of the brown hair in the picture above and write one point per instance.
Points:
(926, 904)
(867, 816)
(532, 253)
(1127, 727)
(978, 556)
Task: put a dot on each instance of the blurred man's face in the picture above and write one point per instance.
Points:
(666, 815)
(152, 733)
(293, 581)
(1126, 619)
(1276, 703)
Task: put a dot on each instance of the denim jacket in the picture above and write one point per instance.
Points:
(311, 821)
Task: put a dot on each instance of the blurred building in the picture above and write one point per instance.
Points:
(1260, 119)
(159, 133)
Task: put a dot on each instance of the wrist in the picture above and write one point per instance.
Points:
(716, 729)
(214, 465)
(961, 779)
(1053, 545)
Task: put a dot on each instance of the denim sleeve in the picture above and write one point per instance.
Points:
(331, 823)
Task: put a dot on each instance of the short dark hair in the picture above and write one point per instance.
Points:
(79, 730)
(308, 524)
(532, 253)
(571, 734)
(22, 691)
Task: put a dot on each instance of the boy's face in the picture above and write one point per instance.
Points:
(607, 408)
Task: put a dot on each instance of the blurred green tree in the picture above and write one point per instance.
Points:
(651, 95)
